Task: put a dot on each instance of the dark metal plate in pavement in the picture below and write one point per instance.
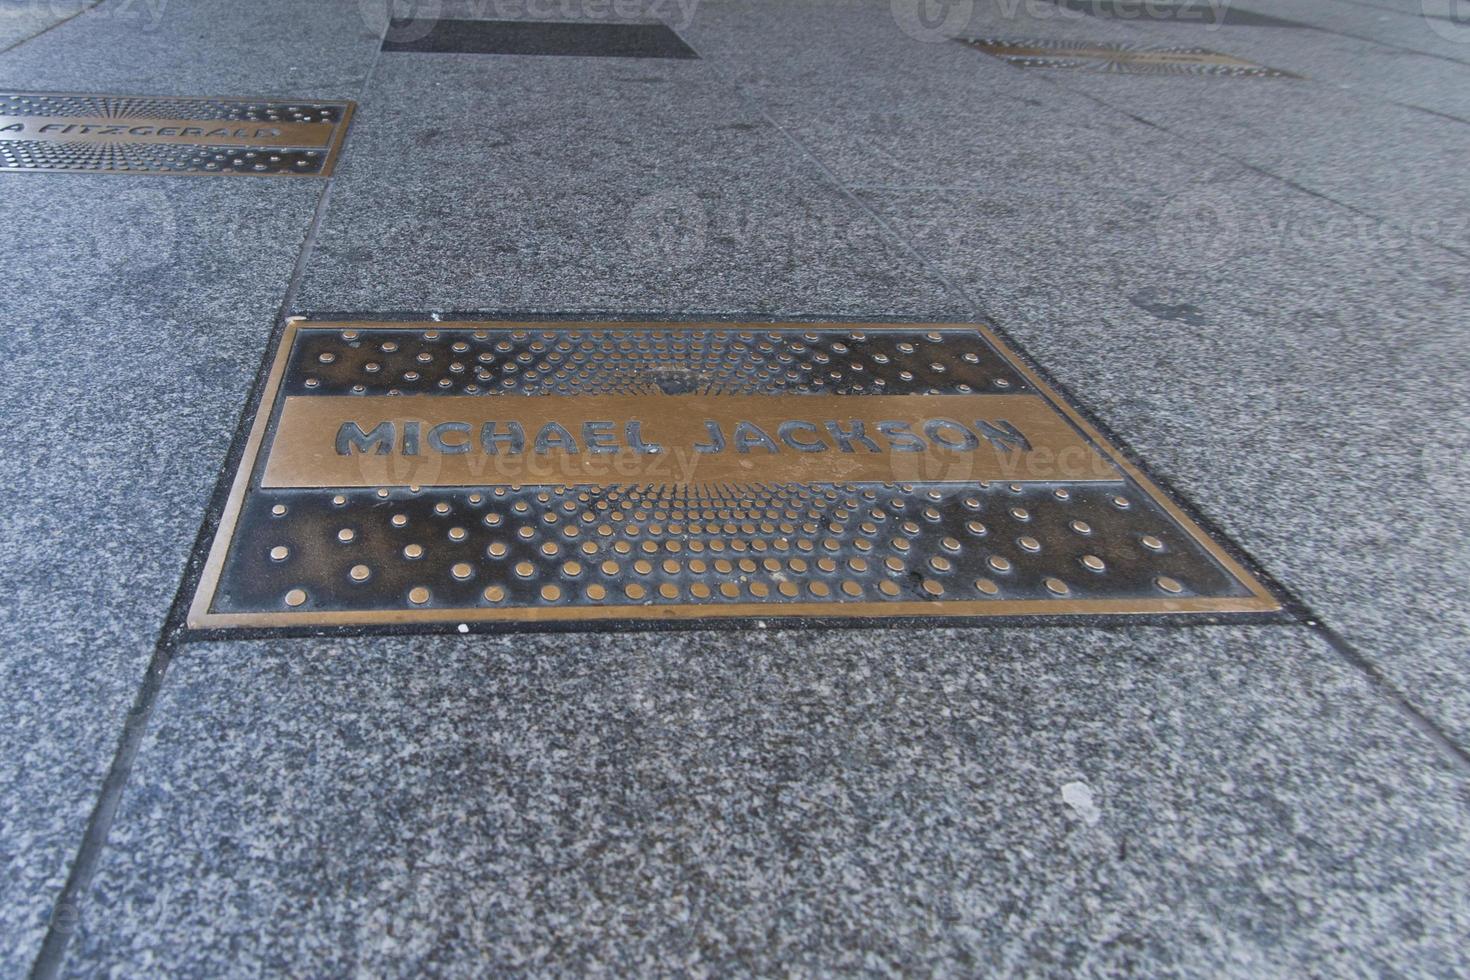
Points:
(569, 38)
(1103, 56)
(549, 471)
(76, 133)
(1206, 12)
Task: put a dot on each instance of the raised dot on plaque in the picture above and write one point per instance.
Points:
(1057, 586)
(986, 586)
(933, 588)
(525, 569)
(493, 593)
(1168, 584)
(461, 570)
(1093, 562)
(418, 595)
(279, 552)
(1152, 543)
(888, 587)
(295, 598)
(360, 573)
(999, 564)
(346, 535)
(550, 593)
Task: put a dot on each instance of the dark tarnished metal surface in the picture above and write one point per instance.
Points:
(538, 472)
(76, 133)
(545, 38)
(1109, 56)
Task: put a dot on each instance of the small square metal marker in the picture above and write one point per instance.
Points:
(59, 132)
(557, 472)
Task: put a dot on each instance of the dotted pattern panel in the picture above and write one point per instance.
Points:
(102, 156)
(459, 550)
(360, 550)
(552, 360)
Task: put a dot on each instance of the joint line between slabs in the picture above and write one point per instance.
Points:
(89, 852)
(69, 17)
(1454, 754)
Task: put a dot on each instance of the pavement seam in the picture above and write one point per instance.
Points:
(94, 840)
(1452, 752)
(31, 37)
(832, 178)
(1458, 758)
(1371, 40)
(1254, 168)
(1294, 185)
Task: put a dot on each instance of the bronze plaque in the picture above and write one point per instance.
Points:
(48, 132)
(1134, 59)
(551, 471)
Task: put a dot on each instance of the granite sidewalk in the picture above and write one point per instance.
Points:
(1257, 284)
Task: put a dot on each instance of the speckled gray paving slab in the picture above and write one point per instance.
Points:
(879, 106)
(136, 310)
(590, 184)
(21, 20)
(1336, 61)
(202, 48)
(1295, 369)
(1199, 801)
(1408, 28)
(1403, 161)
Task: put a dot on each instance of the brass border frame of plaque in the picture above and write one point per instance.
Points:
(332, 150)
(1260, 599)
